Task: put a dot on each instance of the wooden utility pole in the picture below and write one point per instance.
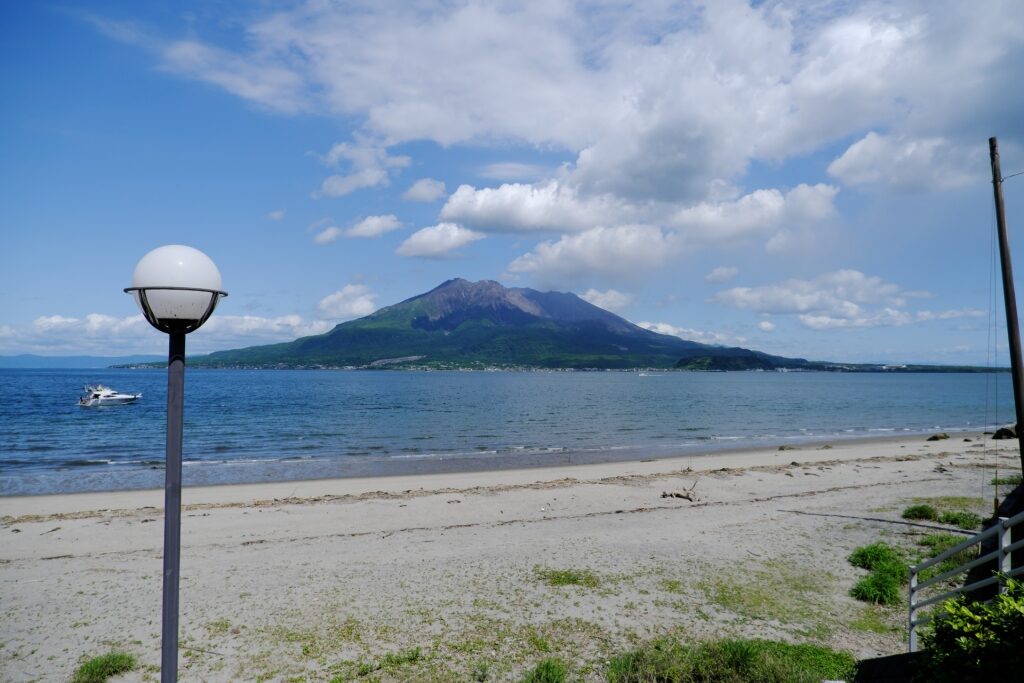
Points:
(1009, 297)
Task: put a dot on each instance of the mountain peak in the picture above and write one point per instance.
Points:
(485, 323)
(463, 298)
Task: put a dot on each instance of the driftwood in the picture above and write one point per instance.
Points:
(686, 494)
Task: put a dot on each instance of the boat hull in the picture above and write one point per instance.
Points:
(99, 395)
(115, 401)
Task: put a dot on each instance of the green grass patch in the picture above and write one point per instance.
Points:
(727, 661)
(879, 589)
(936, 544)
(952, 502)
(99, 669)
(672, 586)
(780, 590)
(387, 663)
(547, 671)
(1009, 480)
(921, 511)
(884, 585)
(567, 577)
(218, 627)
(393, 660)
(538, 642)
(961, 518)
(875, 555)
(481, 671)
(947, 511)
(873, 619)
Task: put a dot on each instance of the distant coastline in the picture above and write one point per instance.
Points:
(419, 363)
(29, 361)
(813, 366)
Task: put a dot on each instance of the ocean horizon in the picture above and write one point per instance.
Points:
(244, 426)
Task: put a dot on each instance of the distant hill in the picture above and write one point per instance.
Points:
(30, 361)
(483, 324)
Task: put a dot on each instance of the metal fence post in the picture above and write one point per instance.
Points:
(1004, 558)
(913, 611)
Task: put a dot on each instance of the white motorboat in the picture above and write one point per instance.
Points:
(99, 395)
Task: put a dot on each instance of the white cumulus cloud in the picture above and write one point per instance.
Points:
(106, 335)
(229, 331)
(841, 293)
(759, 213)
(351, 301)
(515, 207)
(653, 105)
(424, 190)
(627, 252)
(721, 274)
(841, 299)
(611, 300)
(690, 334)
(438, 241)
(898, 162)
(369, 165)
(886, 317)
(327, 235)
(374, 226)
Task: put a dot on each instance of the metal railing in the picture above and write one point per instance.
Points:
(1001, 556)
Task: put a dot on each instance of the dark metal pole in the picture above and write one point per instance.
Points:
(1009, 297)
(172, 507)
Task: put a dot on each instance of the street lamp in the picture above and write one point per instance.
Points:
(177, 288)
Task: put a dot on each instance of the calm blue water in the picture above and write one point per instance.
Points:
(245, 426)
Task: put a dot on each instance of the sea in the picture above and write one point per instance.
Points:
(244, 426)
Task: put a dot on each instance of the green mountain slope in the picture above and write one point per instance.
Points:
(479, 324)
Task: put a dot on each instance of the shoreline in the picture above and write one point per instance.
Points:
(837, 448)
(299, 580)
(284, 471)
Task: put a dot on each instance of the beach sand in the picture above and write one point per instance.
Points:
(305, 581)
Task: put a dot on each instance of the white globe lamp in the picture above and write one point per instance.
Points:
(177, 288)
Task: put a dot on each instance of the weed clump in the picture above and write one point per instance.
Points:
(548, 671)
(879, 589)
(875, 555)
(922, 511)
(959, 518)
(962, 519)
(99, 669)
(883, 586)
(389, 662)
(567, 577)
(729, 660)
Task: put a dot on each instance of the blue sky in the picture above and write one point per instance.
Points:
(808, 179)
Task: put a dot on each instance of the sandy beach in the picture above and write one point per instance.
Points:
(307, 581)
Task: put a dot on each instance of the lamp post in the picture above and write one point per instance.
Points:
(177, 288)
